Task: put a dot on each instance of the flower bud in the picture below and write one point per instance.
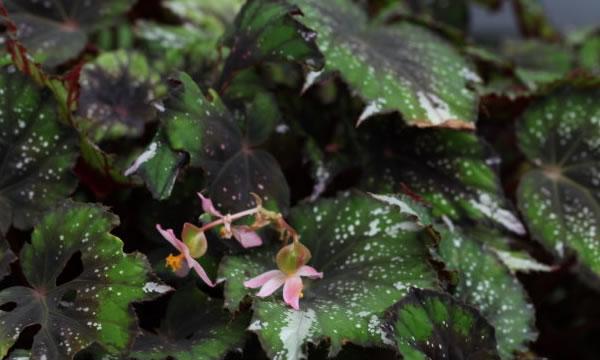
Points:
(292, 257)
(194, 239)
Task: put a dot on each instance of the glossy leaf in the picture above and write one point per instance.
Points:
(36, 152)
(208, 132)
(116, 91)
(370, 254)
(195, 327)
(57, 31)
(559, 196)
(401, 67)
(95, 305)
(452, 170)
(269, 31)
(488, 285)
(431, 325)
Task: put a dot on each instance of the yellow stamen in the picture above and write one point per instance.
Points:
(301, 294)
(175, 262)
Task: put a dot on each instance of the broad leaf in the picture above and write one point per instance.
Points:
(453, 171)
(488, 285)
(93, 306)
(36, 152)
(559, 196)
(195, 327)
(115, 96)
(269, 31)
(57, 31)
(208, 132)
(370, 254)
(589, 52)
(403, 67)
(431, 325)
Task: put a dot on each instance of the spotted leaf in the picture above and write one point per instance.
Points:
(269, 31)
(453, 171)
(195, 327)
(489, 286)
(403, 67)
(36, 152)
(370, 254)
(559, 196)
(432, 325)
(209, 133)
(92, 307)
(57, 31)
(116, 91)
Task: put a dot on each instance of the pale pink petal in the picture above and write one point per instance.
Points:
(310, 272)
(246, 237)
(261, 279)
(208, 206)
(270, 286)
(183, 270)
(171, 238)
(292, 290)
(200, 271)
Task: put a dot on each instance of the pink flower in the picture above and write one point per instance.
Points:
(247, 237)
(182, 263)
(272, 280)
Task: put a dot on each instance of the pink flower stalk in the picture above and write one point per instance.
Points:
(247, 237)
(182, 263)
(272, 280)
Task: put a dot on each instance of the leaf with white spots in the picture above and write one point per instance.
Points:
(36, 152)
(115, 95)
(92, 307)
(57, 31)
(206, 130)
(559, 196)
(401, 67)
(452, 170)
(432, 325)
(195, 327)
(487, 284)
(269, 31)
(369, 258)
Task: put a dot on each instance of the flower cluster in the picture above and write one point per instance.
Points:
(291, 259)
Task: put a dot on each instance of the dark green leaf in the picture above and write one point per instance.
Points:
(370, 254)
(57, 31)
(431, 325)
(6, 257)
(95, 305)
(36, 152)
(115, 96)
(533, 20)
(486, 284)
(452, 170)
(195, 327)
(403, 67)
(560, 196)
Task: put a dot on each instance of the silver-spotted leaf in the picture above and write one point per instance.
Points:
(370, 254)
(206, 130)
(488, 285)
(57, 31)
(432, 325)
(36, 152)
(402, 67)
(452, 170)
(559, 196)
(95, 306)
(116, 91)
(195, 327)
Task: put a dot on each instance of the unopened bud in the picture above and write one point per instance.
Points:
(292, 257)
(194, 239)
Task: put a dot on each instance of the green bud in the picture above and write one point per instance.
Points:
(291, 257)
(194, 239)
